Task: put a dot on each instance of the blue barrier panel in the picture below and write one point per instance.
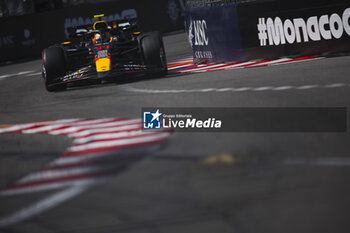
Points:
(268, 29)
(214, 34)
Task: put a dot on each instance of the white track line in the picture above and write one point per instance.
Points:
(17, 74)
(336, 162)
(44, 187)
(304, 87)
(5, 76)
(201, 68)
(34, 74)
(86, 157)
(25, 72)
(334, 85)
(61, 173)
(47, 203)
(269, 62)
(262, 88)
(296, 60)
(232, 89)
(282, 88)
(233, 66)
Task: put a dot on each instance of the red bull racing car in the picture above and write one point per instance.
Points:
(102, 52)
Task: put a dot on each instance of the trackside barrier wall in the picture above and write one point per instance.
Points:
(269, 29)
(27, 35)
(213, 33)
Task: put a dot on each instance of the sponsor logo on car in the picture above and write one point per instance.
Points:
(77, 74)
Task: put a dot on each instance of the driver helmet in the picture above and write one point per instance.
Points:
(97, 38)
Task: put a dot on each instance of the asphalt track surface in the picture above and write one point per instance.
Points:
(196, 182)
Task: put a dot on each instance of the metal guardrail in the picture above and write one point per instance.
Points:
(306, 3)
(205, 3)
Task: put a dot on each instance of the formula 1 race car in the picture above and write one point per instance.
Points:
(102, 52)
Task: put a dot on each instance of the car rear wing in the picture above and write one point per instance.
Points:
(126, 25)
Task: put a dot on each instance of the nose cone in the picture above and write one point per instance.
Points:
(103, 64)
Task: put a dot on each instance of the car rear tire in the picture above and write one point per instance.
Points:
(153, 53)
(53, 67)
